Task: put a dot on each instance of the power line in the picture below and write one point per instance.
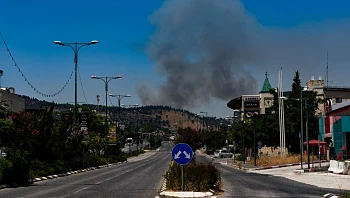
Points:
(82, 87)
(110, 100)
(26, 79)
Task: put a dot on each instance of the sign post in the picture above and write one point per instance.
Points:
(182, 154)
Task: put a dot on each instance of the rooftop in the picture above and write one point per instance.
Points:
(266, 86)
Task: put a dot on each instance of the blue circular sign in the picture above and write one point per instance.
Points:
(182, 153)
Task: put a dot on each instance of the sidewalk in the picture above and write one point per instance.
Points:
(319, 179)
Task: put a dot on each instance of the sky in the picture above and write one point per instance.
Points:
(193, 54)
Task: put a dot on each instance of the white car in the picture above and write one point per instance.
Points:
(222, 154)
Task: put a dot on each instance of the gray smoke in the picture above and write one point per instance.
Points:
(203, 48)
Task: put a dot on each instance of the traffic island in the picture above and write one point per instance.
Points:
(186, 178)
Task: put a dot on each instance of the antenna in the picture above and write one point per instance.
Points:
(1, 73)
(327, 79)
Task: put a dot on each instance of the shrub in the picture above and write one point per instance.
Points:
(93, 160)
(18, 172)
(39, 169)
(59, 166)
(4, 165)
(197, 177)
(116, 159)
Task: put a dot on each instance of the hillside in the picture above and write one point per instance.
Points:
(162, 117)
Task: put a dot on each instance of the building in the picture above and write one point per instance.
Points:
(334, 128)
(333, 111)
(255, 103)
(336, 94)
(14, 102)
(334, 116)
(266, 98)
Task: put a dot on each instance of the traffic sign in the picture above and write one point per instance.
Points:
(182, 153)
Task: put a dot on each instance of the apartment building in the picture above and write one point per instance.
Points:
(14, 102)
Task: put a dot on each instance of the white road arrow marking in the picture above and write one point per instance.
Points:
(188, 156)
(177, 155)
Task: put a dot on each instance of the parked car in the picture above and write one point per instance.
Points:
(222, 154)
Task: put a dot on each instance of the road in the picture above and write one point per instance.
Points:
(238, 183)
(140, 177)
(133, 147)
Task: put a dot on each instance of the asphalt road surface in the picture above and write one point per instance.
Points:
(140, 177)
(133, 147)
(237, 183)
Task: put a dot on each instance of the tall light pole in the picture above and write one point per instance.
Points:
(119, 97)
(106, 79)
(301, 126)
(307, 128)
(206, 115)
(252, 115)
(307, 134)
(76, 47)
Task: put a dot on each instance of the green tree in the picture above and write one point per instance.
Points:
(191, 137)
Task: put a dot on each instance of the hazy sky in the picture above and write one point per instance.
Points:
(192, 54)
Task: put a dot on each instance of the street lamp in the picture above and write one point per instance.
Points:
(76, 47)
(307, 130)
(206, 115)
(228, 131)
(302, 128)
(252, 115)
(106, 79)
(119, 97)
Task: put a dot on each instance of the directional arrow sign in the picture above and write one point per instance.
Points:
(182, 153)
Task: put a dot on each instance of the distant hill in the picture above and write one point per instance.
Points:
(157, 116)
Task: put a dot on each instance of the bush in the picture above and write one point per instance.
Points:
(18, 172)
(40, 169)
(4, 165)
(93, 160)
(240, 157)
(59, 166)
(116, 158)
(197, 177)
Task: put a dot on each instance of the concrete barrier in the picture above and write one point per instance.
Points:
(340, 169)
(347, 168)
(333, 166)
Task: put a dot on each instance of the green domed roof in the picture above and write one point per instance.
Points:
(267, 86)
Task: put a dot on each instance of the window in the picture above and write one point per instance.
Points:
(338, 100)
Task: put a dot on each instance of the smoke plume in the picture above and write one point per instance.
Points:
(208, 49)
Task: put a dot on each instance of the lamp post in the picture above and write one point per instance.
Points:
(228, 131)
(76, 47)
(307, 134)
(131, 125)
(252, 115)
(301, 126)
(119, 97)
(206, 115)
(106, 79)
(307, 129)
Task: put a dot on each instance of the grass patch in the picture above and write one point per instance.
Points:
(277, 160)
(197, 177)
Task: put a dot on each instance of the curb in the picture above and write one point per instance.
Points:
(65, 174)
(284, 165)
(270, 167)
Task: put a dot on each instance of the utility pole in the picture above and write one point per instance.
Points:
(76, 47)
